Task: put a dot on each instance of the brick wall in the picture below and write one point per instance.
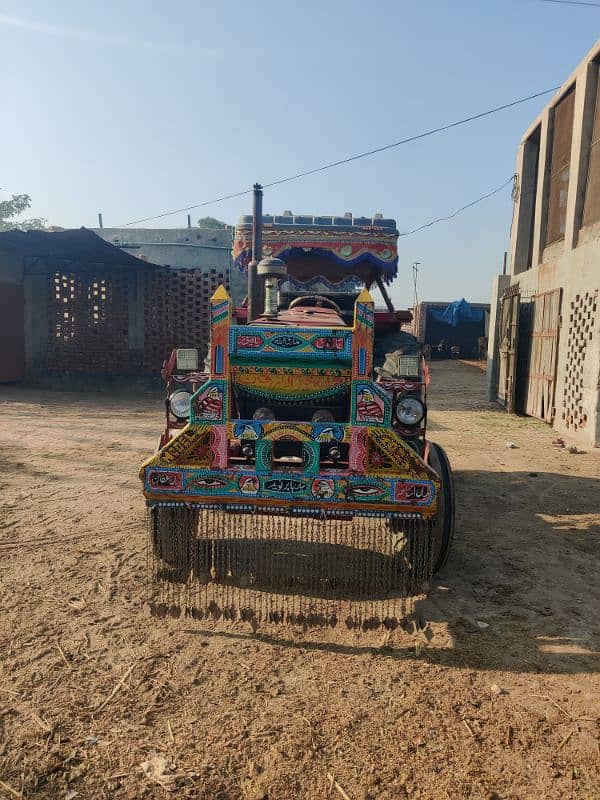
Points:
(89, 315)
(88, 323)
(177, 312)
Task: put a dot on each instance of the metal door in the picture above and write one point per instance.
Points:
(509, 333)
(12, 333)
(541, 382)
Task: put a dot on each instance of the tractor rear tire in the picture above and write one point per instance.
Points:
(443, 527)
(172, 532)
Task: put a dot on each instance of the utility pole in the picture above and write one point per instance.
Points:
(415, 270)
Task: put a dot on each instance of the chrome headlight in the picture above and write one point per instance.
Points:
(179, 404)
(409, 411)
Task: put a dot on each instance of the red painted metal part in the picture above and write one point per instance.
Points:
(384, 320)
(303, 317)
(175, 379)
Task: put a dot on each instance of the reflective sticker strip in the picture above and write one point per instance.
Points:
(219, 359)
(362, 361)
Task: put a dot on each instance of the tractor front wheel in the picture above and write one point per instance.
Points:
(443, 527)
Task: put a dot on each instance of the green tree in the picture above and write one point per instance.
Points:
(13, 208)
(210, 222)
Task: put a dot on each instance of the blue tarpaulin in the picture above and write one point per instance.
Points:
(457, 312)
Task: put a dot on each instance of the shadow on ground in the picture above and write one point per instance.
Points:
(520, 591)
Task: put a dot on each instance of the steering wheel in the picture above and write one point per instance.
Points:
(318, 300)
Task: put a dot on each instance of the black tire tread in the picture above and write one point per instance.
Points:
(444, 470)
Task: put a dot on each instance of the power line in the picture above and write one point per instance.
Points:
(349, 159)
(572, 3)
(188, 208)
(462, 208)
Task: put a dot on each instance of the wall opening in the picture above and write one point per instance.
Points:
(559, 167)
(87, 323)
(527, 202)
(591, 203)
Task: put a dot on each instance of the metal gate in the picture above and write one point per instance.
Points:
(541, 382)
(509, 334)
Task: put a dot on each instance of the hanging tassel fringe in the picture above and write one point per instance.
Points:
(211, 563)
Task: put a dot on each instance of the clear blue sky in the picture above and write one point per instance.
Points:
(132, 108)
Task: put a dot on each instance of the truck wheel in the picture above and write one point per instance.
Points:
(443, 527)
(172, 532)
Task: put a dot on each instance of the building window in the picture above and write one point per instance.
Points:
(591, 205)
(527, 202)
(560, 167)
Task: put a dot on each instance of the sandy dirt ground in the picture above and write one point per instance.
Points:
(99, 700)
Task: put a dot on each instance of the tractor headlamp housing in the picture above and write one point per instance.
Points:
(409, 411)
(179, 404)
(409, 366)
(187, 358)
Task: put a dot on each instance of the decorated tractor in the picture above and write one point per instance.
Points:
(295, 481)
(335, 257)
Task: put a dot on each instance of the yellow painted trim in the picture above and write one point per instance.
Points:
(364, 297)
(220, 294)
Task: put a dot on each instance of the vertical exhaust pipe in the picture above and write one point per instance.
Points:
(254, 293)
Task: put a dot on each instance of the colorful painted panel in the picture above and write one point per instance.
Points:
(164, 480)
(263, 456)
(420, 493)
(370, 404)
(332, 487)
(190, 446)
(348, 246)
(298, 431)
(221, 320)
(283, 383)
(400, 385)
(387, 448)
(209, 404)
(264, 453)
(219, 447)
(358, 450)
(362, 340)
(324, 344)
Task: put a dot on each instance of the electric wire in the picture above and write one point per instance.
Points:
(349, 159)
(458, 211)
(572, 3)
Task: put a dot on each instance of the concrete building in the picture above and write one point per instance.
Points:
(544, 345)
(75, 308)
(71, 304)
(205, 249)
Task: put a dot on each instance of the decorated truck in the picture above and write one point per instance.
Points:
(301, 485)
